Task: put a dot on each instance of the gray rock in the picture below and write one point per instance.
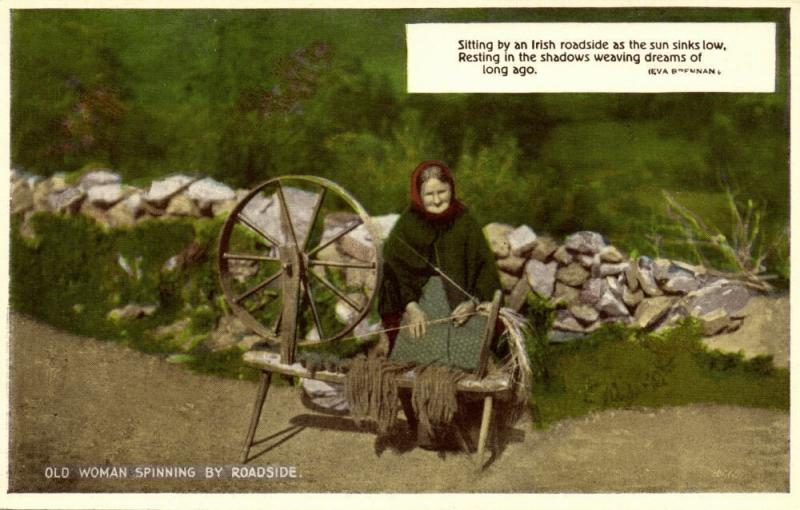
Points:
(585, 242)
(162, 190)
(497, 235)
(651, 310)
(131, 311)
(573, 275)
(613, 269)
(58, 182)
(344, 313)
(715, 321)
(521, 240)
(223, 207)
(660, 269)
(586, 261)
(632, 277)
(98, 177)
(68, 200)
(172, 330)
(565, 293)
(721, 294)
(566, 322)
(41, 196)
(229, 332)
(208, 191)
(544, 247)
(241, 270)
(181, 205)
(96, 213)
(614, 286)
(508, 281)
(541, 277)
(631, 298)
(104, 195)
(384, 224)
(584, 313)
(610, 305)
(611, 255)
(356, 278)
(681, 284)
(673, 316)
(647, 282)
(562, 256)
(512, 264)
(21, 199)
(366, 328)
(265, 212)
(593, 289)
(359, 244)
(133, 203)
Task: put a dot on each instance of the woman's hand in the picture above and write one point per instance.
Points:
(463, 312)
(416, 319)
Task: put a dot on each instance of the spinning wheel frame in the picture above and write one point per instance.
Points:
(297, 261)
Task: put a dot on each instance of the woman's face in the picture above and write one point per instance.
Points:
(436, 196)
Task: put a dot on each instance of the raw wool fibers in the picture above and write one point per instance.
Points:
(434, 396)
(518, 366)
(371, 390)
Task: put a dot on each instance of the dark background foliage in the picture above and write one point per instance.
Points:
(247, 95)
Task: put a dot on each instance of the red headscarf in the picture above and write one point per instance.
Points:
(416, 198)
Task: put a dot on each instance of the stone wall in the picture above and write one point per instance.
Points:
(594, 281)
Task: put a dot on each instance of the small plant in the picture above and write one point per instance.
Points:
(745, 248)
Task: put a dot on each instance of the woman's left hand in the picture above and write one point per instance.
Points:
(463, 312)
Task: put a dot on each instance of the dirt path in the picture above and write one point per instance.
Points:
(78, 401)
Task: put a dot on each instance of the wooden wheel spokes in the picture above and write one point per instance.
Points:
(250, 224)
(286, 217)
(249, 256)
(338, 292)
(351, 265)
(353, 225)
(314, 215)
(271, 249)
(314, 312)
(261, 286)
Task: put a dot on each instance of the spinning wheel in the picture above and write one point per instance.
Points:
(278, 268)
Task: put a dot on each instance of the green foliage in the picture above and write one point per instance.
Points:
(247, 95)
(70, 275)
(623, 367)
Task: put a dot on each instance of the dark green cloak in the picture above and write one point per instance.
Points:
(456, 246)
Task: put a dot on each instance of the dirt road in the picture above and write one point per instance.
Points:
(79, 401)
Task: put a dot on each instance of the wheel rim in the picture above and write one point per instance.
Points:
(289, 226)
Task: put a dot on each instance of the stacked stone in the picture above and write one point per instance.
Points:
(595, 284)
(101, 195)
(592, 280)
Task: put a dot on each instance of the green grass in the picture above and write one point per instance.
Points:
(620, 367)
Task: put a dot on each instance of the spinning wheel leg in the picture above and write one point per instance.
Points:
(486, 422)
(266, 378)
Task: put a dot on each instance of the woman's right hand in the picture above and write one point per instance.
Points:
(415, 319)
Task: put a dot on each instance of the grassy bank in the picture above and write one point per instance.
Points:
(621, 367)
